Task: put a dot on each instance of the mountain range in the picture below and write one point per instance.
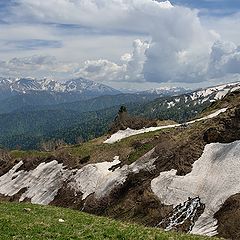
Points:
(184, 106)
(29, 93)
(78, 88)
(84, 87)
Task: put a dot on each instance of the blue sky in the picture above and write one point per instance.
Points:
(226, 6)
(135, 44)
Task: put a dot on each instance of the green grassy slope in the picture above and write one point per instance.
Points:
(26, 221)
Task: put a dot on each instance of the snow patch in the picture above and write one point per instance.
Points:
(221, 94)
(170, 104)
(214, 178)
(121, 134)
(42, 184)
(183, 213)
(100, 180)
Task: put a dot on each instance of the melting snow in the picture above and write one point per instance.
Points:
(99, 179)
(182, 213)
(42, 184)
(170, 104)
(213, 93)
(221, 94)
(92, 177)
(121, 134)
(214, 178)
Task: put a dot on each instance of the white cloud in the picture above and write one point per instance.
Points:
(37, 66)
(227, 26)
(225, 59)
(181, 48)
(129, 69)
(104, 14)
(100, 70)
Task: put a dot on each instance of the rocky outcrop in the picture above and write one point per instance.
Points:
(228, 218)
(226, 129)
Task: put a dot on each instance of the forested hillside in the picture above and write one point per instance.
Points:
(28, 126)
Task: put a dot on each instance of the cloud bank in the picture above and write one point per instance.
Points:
(179, 47)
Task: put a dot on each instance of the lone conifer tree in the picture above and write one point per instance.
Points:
(122, 109)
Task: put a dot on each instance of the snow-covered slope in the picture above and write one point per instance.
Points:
(214, 178)
(202, 96)
(121, 134)
(185, 106)
(42, 184)
(215, 93)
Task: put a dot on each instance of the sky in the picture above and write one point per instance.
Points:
(127, 44)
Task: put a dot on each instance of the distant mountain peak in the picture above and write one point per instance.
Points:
(9, 86)
(166, 91)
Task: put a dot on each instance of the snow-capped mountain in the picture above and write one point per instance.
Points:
(166, 91)
(198, 96)
(10, 86)
(81, 85)
(210, 94)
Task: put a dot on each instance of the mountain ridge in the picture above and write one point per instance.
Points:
(89, 88)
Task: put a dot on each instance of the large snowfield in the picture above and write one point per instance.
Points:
(214, 178)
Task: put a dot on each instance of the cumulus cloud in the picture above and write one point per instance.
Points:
(104, 14)
(129, 69)
(224, 59)
(37, 66)
(100, 70)
(181, 49)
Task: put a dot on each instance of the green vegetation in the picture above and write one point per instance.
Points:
(129, 150)
(140, 151)
(26, 221)
(29, 127)
(28, 154)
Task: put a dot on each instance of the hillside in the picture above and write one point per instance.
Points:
(25, 221)
(177, 177)
(183, 107)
